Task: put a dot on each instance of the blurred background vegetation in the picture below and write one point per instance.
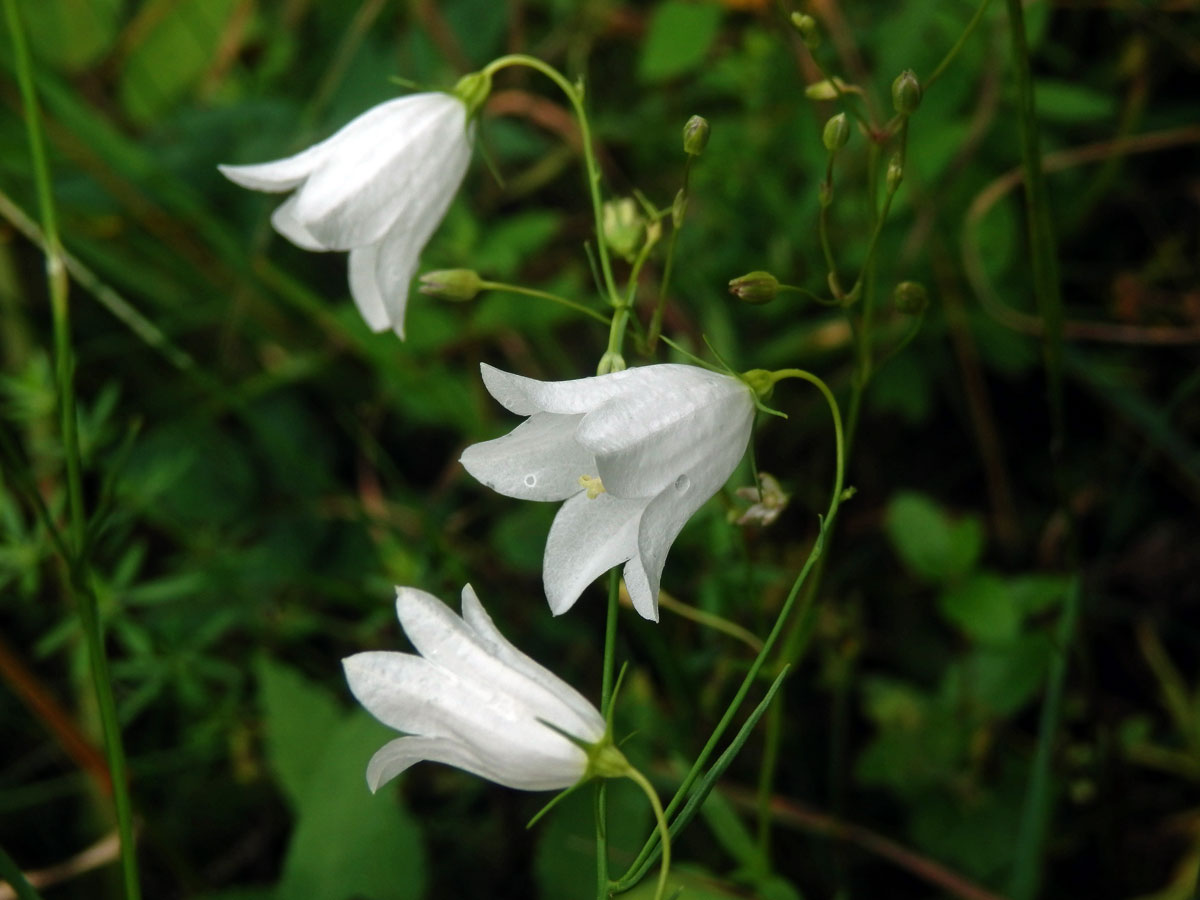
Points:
(260, 470)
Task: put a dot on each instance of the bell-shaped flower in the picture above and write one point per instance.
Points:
(378, 188)
(633, 453)
(472, 700)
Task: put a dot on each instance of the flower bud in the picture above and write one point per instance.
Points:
(837, 132)
(807, 26)
(451, 284)
(473, 91)
(695, 135)
(821, 90)
(623, 226)
(906, 93)
(895, 173)
(679, 208)
(910, 298)
(755, 287)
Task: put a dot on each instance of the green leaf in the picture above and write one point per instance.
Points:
(984, 608)
(71, 34)
(174, 53)
(1065, 101)
(346, 843)
(678, 38)
(933, 545)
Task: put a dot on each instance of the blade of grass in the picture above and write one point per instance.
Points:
(1030, 846)
(76, 570)
(16, 880)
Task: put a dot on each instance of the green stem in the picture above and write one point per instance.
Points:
(664, 833)
(766, 780)
(958, 45)
(84, 597)
(756, 666)
(11, 872)
(543, 295)
(606, 690)
(676, 225)
(575, 96)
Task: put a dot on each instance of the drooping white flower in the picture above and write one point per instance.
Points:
(472, 700)
(378, 188)
(633, 453)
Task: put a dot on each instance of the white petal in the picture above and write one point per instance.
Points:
(507, 697)
(537, 460)
(364, 289)
(411, 694)
(421, 145)
(285, 222)
(588, 537)
(542, 774)
(680, 422)
(589, 725)
(285, 174)
(526, 396)
(643, 597)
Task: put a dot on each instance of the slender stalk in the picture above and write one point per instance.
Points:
(77, 579)
(766, 779)
(1035, 816)
(664, 833)
(11, 872)
(606, 697)
(575, 96)
(958, 45)
(543, 295)
(655, 328)
(681, 794)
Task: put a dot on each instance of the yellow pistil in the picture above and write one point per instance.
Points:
(592, 484)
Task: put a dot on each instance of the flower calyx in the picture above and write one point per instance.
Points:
(473, 90)
(452, 284)
(695, 135)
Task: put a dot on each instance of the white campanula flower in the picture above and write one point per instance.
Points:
(378, 188)
(633, 453)
(472, 700)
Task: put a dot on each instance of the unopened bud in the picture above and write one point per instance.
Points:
(623, 226)
(895, 173)
(837, 132)
(755, 287)
(679, 208)
(695, 135)
(807, 26)
(906, 93)
(451, 284)
(821, 90)
(910, 298)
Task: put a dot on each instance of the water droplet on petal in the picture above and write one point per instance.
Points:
(682, 483)
(530, 481)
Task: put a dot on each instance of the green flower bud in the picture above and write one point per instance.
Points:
(906, 93)
(821, 90)
(451, 284)
(695, 135)
(473, 90)
(807, 26)
(623, 226)
(679, 208)
(895, 173)
(910, 298)
(755, 287)
(837, 132)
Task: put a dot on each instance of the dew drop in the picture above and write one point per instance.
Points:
(530, 480)
(682, 483)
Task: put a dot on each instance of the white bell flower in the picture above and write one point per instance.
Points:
(472, 700)
(633, 453)
(379, 187)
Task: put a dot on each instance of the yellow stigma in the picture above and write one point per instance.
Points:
(592, 484)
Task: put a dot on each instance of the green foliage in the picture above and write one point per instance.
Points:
(678, 38)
